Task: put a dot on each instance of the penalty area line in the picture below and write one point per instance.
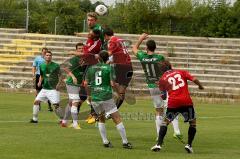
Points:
(55, 121)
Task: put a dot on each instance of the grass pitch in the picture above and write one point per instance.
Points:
(217, 133)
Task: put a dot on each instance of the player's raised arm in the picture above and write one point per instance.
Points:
(139, 42)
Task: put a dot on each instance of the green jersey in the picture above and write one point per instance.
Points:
(150, 67)
(99, 79)
(77, 70)
(99, 27)
(50, 74)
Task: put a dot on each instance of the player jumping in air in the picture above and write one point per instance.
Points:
(121, 61)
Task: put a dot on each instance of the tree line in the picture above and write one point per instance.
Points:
(209, 18)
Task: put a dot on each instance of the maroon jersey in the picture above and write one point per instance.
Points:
(90, 49)
(119, 51)
(175, 82)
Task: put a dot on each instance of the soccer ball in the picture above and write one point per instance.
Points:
(101, 9)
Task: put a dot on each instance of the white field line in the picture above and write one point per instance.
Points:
(55, 121)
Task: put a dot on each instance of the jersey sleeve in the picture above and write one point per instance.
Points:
(161, 58)
(34, 62)
(187, 75)
(139, 54)
(112, 46)
(95, 47)
(163, 84)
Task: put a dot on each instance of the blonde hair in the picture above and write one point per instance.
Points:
(93, 14)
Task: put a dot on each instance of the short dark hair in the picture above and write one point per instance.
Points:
(97, 33)
(48, 51)
(108, 32)
(151, 45)
(104, 55)
(78, 44)
(44, 48)
(164, 66)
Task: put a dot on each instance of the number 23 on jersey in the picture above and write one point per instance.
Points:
(176, 81)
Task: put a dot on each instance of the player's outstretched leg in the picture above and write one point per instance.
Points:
(91, 119)
(67, 114)
(159, 119)
(177, 134)
(59, 111)
(191, 135)
(35, 112)
(103, 132)
(120, 100)
(121, 129)
(74, 113)
(162, 133)
(50, 109)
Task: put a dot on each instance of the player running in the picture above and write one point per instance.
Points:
(50, 77)
(149, 60)
(179, 101)
(99, 83)
(36, 73)
(122, 63)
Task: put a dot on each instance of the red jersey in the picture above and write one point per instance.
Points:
(90, 49)
(119, 51)
(175, 82)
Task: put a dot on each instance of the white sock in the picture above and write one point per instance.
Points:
(121, 130)
(35, 112)
(103, 133)
(158, 122)
(176, 126)
(74, 113)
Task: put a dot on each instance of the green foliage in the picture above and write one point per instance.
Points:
(175, 17)
(69, 16)
(12, 13)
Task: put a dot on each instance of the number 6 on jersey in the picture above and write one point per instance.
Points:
(98, 78)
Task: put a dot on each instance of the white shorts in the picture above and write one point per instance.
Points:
(52, 95)
(107, 107)
(73, 93)
(156, 96)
